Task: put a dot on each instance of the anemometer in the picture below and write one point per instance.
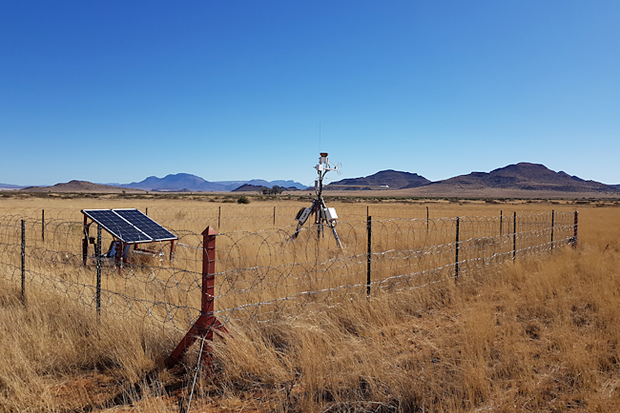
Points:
(323, 216)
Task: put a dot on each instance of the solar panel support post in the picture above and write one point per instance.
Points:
(98, 255)
(119, 256)
(85, 240)
(207, 323)
(171, 250)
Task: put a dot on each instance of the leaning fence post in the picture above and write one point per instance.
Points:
(206, 324)
(514, 236)
(98, 255)
(456, 249)
(369, 254)
(552, 226)
(23, 261)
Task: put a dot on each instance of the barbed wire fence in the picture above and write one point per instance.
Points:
(261, 275)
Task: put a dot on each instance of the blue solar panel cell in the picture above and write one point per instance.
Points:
(146, 224)
(129, 225)
(117, 226)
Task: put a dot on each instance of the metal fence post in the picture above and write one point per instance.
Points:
(369, 254)
(514, 236)
(552, 226)
(98, 255)
(23, 261)
(147, 211)
(207, 323)
(576, 226)
(456, 249)
(501, 223)
(427, 220)
(274, 216)
(42, 225)
(219, 216)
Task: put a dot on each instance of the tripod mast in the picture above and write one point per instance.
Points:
(323, 215)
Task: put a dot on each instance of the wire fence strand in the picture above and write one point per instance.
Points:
(263, 274)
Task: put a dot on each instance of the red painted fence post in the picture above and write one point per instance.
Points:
(207, 323)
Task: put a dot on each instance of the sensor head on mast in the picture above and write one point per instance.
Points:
(323, 164)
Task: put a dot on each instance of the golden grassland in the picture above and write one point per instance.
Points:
(541, 334)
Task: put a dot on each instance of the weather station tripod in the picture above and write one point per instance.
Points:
(323, 216)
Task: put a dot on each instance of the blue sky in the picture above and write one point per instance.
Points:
(115, 91)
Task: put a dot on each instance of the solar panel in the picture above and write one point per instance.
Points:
(146, 224)
(129, 225)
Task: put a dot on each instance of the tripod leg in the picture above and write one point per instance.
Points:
(335, 235)
(299, 225)
(303, 218)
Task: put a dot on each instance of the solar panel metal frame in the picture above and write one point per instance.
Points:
(140, 232)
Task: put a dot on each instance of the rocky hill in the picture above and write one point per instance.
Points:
(524, 176)
(383, 179)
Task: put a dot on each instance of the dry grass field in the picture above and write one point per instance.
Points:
(539, 334)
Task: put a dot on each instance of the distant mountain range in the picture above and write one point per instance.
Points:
(523, 176)
(195, 183)
(9, 186)
(80, 186)
(519, 179)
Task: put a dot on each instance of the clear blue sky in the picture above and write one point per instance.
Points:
(115, 91)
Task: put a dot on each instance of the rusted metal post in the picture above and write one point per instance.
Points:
(207, 323)
(208, 271)
(172, 250)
